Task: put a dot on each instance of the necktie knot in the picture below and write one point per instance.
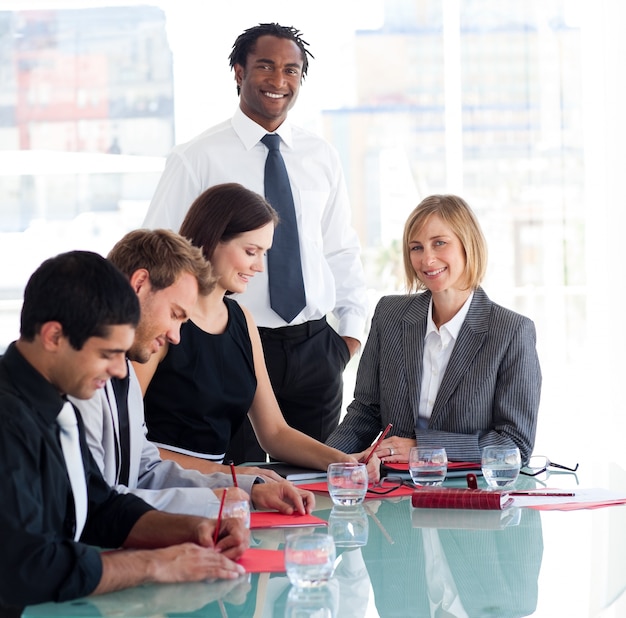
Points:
(272, 141)
(66, 418)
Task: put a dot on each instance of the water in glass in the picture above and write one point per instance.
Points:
(309, 559)
(427, 475)
(500, 465)
(500, 475)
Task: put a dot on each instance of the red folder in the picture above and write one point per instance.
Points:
(273, 519)
(255, 560)
(372, 492)
(456, 469)
(464, 466)
(453, 498)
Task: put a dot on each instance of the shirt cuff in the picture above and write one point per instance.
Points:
(352, 325)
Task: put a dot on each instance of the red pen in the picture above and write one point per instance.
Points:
(232, 471)
(219, 517)
(378, 441)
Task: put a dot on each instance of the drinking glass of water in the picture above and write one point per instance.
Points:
(231, 508)
(428, 466)
(347, 483)
(318, 602)
(500, 465)
(309, 559)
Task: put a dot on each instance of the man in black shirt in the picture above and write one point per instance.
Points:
(78, 321)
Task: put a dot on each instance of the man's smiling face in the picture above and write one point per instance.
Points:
(162, 313)
(270, 81)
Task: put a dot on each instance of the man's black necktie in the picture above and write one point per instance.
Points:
(284, 266)
(120, 388)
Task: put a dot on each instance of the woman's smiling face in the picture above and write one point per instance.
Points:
(236, 261)
(437, 256)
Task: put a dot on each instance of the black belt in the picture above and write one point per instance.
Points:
(306, 329)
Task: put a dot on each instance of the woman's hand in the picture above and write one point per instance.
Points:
(373, 465)
(395, 449)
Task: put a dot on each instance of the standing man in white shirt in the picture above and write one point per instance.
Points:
(305, 356)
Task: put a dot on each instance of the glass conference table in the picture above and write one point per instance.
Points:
(522, 562)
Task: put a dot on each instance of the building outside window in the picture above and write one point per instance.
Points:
(514, 105)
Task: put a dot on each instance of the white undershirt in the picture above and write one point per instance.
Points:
(438, 346)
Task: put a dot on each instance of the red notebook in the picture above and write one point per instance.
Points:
(273, 519)
(453, 498)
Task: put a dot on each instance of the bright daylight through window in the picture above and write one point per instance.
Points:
(500, 101)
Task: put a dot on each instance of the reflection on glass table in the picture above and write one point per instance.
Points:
(349, 525)
(151, 600)
(481, 572)
(520, 562)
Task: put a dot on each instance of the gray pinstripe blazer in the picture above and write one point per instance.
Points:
(489, 394)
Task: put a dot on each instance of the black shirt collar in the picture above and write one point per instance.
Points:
(39, 394)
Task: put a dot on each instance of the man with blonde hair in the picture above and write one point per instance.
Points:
(167, 272)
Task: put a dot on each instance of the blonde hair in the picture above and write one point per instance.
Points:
(165, 255)
(456, 213)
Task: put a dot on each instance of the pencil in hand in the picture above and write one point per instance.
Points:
(381, 437)
(233, 473)
(218, 523)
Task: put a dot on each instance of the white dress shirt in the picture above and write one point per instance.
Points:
(331, 266)
(438, 346)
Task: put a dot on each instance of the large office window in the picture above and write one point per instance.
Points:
(515, 105)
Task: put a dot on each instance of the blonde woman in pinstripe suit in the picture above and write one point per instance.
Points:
(446, 366)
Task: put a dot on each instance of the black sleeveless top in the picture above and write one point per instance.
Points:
(203, 388)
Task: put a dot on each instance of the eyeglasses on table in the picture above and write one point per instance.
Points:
(388, 485)
(540, 463)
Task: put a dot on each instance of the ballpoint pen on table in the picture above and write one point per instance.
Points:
(218, 523)
(234, 475)
(377, 522)
(380, 438)
(542, 494)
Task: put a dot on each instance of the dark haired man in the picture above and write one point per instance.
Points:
(305, 356)
(78, 321)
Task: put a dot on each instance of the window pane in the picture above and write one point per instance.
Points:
(483, 98)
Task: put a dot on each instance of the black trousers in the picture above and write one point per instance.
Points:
(305, 364)
(8, 611)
